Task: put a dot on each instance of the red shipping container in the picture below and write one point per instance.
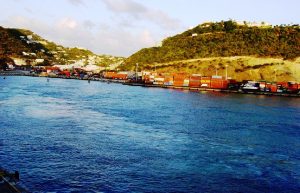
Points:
(194, 84)
(292, 87)
(219, 84)
(195, 81)
(66, 73)
(283, 84)
(273, 88)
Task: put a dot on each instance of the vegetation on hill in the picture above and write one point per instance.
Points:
(222, 39)
(26, 45)
(14, 43)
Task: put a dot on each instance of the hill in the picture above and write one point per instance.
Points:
(25, 46)
(251, 50)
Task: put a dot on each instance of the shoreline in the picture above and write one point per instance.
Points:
(125, 82)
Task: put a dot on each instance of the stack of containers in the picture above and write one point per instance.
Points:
(148, 79)
(159, 80)
(217, 82)
(180, 79)
(168, 80)
(109, 75)
(195, 81)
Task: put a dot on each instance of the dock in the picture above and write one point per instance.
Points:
(125, 82)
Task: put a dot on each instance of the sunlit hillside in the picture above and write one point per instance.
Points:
(247, 50)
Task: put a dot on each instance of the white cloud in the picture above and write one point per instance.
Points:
(89, 24)
(141, 12)
(67, 23)
(146, 38)
(103, 39)
(76, 2)
(128, 6)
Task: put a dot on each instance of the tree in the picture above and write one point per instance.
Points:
(229, 26)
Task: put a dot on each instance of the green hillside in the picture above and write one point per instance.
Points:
(26, 45)
(212, 46)
(224, 39)
(13, 43)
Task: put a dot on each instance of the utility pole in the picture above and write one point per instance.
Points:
(136, 71)
(226, 71)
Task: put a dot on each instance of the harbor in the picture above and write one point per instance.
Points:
(136, 96)
(263, 88)
(72, 136)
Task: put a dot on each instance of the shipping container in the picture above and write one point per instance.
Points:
(120, 76)
(205, 82)
(159, 80)
(292, 87)
(114, 75)
(109, 75)
(219, 83)
(216, 77)
(195, 81)
(262, 86)
(273, 88)
(65, 73)
(168, 81)
(179, 79)
(186, 82)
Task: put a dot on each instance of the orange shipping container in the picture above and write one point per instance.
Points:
(120, 76)
(178, 82)
(109, 74)
(179, 79)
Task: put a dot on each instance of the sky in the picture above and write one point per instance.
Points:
(122, 27)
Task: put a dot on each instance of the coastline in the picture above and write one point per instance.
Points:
(126, 82)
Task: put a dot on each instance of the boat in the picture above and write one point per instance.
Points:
(250, 86)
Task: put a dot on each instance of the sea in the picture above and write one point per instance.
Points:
(66, 135)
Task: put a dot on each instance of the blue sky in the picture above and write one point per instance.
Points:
(122, 27)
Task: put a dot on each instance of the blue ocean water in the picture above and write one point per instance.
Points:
(75, 136)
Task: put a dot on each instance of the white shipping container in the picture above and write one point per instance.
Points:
(159, 79)
(217, 77)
